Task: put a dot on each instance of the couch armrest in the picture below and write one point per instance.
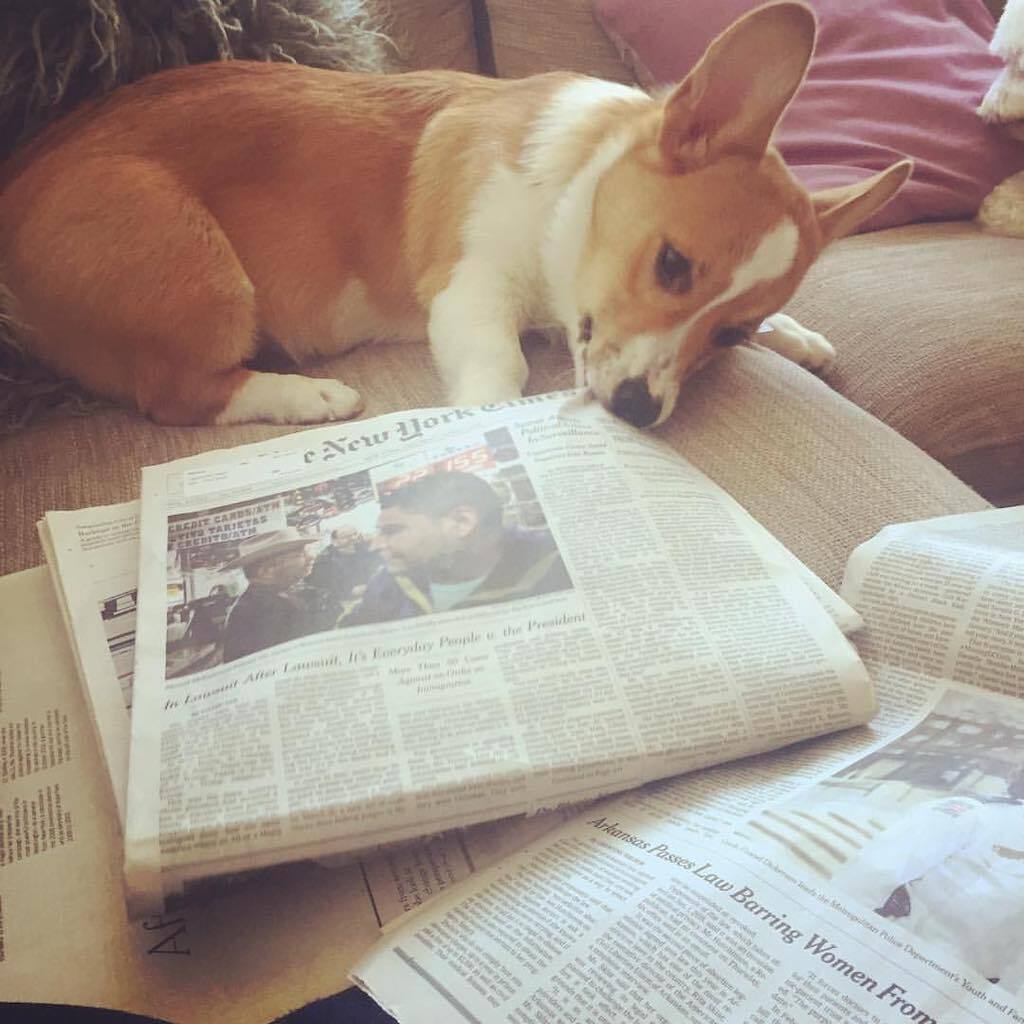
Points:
(928, 324)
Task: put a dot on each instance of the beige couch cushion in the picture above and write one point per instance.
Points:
(434, 33)
(928, 324)
(531, 36)
(817, 471)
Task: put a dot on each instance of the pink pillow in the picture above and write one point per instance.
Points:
(901, 78)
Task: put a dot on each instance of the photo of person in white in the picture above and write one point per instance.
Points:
(925, 831)
(952, 871)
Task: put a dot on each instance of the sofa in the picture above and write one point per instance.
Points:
(922, 414)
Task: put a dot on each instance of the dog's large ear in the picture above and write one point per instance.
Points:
(734, 97)
(842, 210)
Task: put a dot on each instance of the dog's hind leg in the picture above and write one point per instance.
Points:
(127, 282)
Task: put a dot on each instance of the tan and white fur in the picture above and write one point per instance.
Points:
(154, 241)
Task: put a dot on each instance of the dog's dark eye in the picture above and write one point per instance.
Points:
(673, 270)
(726, 337)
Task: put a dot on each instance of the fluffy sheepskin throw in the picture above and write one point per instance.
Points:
(56, 53)
(1003, 208)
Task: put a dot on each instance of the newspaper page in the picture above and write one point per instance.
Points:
(95, 550)
(251, 954)
(956, 585)
(404, 878)
(93, 555)
(98, 548)
(873, 876)
(552, 607)
(398, 879)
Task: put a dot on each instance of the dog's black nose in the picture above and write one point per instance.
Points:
(633, 402)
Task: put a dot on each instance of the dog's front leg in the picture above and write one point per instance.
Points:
(474, 336)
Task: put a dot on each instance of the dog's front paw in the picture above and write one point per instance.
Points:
(334, 401)
(794, 341)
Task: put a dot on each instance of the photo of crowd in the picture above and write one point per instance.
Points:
(118, 613)
(397, 541)
(926, 832)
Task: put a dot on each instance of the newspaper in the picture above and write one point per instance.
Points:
(553, 607)
(100, 546)
(253, 953)
(873, 876)
(96, 551)
(403, 878)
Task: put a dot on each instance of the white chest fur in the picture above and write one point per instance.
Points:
(530, 223)
(521, 245)
(571, 202)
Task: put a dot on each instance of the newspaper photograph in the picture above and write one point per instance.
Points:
(476, 614)
(391, 542)
(926, 832)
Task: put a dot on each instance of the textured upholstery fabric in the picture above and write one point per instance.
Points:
(434, 34)
(814, 469)
(818, 472)
(928, 324)
(531, 36)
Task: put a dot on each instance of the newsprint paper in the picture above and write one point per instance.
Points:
(96, 550)
(871, 877)
(252, 954)
(551, 607)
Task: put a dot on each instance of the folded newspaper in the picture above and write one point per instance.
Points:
(375, 631)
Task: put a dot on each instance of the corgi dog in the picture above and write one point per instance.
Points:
(153, 241)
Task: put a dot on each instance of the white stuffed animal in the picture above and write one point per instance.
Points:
(1002, 210)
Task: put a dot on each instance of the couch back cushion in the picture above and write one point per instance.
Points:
(434, 33)
(532, 36)
(887, 80)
